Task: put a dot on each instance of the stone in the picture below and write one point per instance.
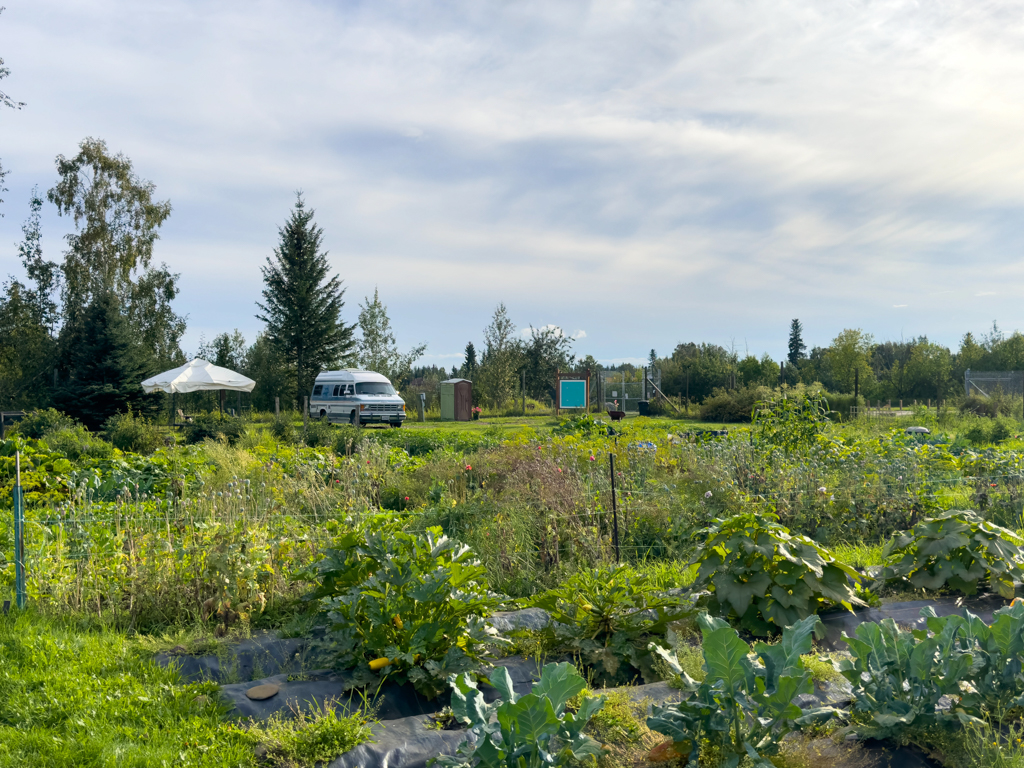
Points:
(263, 692)
(918, 431)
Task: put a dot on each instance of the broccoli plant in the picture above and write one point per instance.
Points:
(741, 709)
(608, 617)
(767, 578)
(532, 731)
(958, 549)
(405, 607)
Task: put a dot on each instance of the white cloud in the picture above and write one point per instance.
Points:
(898, 306)
(653, 172)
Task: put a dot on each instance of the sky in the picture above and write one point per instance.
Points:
(639, 174)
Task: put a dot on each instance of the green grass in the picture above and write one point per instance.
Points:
(92, 697)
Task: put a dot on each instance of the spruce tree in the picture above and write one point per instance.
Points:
(469, 367)
(107, 367)
(302, 302)
(797, 348)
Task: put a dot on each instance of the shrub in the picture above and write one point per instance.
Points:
(319, 433)
(608, 617)
(767, 578)
(132, 433)
(1002, 429)
(39, 423)
(958, 549)
(998, 404)
(282, 429)
(212, 427)
(531, 731)
(978, 433)
(78, 442)
(732, 406)
(405, 607)
(741, 709)
(579, 424)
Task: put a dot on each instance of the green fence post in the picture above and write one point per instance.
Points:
(19, 535)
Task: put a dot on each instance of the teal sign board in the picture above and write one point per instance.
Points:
(572, 394)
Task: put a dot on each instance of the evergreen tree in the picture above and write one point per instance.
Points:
(501, 361)
(470, 365)
(106, 367)
(265, 365)
(302, 304)
(378, 350)
(797, 348)
(26, 351)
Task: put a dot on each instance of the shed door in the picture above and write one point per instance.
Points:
(463, 401)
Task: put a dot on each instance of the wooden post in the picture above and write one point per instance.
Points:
(277, 407)
(305, 416)
(558, 392)
(524, 391)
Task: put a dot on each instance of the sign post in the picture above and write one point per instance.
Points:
(572, 390)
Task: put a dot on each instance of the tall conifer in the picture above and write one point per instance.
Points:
(303, 302)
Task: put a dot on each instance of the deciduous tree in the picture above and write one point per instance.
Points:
(378, 350)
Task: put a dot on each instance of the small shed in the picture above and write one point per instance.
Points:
(456, 399)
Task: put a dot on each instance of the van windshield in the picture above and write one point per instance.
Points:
(374, 388)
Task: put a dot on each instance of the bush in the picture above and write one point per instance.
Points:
(132, 433)
(211, 427)
(39, 423)
(765, 577)
(347, 439)
(608, 617)
(77, 443)
(732, 406)
(978, 432)
(282, 429)
(958, 549)
(1002, 429)
(405, 607)
(319, 433)
(998, 404)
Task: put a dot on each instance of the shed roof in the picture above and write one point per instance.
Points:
(456, 381)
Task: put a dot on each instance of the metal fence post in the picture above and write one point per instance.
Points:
(615, 512)
(19, 535)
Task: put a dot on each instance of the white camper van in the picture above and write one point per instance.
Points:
(356, 397)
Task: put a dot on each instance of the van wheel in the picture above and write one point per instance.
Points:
(396, 425)
(323, 414)
(352, 418)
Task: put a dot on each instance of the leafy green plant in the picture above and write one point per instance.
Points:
(957, 549)
(898, 677)
(740, 709)
(581, 424)
(532, 731)
(131, 432)
(405, 607)
(213, 427)
(319, 433)
(310, 737)
(791, 423)
(608, 616)
(41, 422)
(282, 429)
(767, 578)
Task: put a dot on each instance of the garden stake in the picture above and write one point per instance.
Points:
(19, 534)
(615, 514)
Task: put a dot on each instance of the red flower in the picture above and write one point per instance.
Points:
(468, 467)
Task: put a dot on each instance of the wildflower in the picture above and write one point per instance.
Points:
(559, 469)
(822, 489)
(707, 495)
(468, 467)
(406, 498)
(832, 497)
(592, 458)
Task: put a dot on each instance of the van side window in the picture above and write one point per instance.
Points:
(350, 389)
(336, 390)
(317, 389)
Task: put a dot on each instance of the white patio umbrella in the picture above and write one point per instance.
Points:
(198, 376)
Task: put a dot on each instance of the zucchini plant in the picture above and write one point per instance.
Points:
(766, 578)
(957, 549)
(532, 731)
(608, 617)
(741, 709)
(405, 607)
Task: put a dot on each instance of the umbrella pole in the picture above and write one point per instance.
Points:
(222, 405)
(173, 401)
